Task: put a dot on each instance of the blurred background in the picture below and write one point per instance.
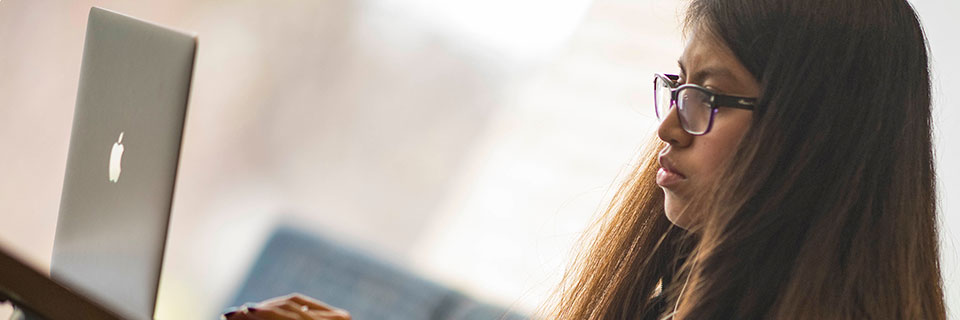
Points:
(469, 141)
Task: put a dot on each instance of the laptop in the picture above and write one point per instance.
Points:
(122, 161)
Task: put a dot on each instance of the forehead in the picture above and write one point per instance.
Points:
(705, 56)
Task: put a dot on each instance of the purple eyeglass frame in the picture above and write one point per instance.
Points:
(716, 100)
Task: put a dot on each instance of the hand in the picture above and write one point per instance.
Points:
(290, 307)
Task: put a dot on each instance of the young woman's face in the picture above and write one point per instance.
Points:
(694, 159)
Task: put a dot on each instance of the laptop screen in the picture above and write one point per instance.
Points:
(122, 162)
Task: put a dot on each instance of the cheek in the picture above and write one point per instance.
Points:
(712, 153)
(708, 153)
(713, 149)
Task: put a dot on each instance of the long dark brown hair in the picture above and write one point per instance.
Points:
(828, 208)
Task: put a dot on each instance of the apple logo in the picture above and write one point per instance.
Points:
(115, 155)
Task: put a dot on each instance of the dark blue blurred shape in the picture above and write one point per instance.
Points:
(371, 289)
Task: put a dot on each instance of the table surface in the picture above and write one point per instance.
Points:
(34, 291)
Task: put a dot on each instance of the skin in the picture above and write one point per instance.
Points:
(290, 307)
(707, 62)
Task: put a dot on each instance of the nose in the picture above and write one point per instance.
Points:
(671, 132)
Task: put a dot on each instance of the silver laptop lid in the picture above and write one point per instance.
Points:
(122, 163)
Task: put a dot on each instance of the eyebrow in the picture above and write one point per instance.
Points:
(708, 72)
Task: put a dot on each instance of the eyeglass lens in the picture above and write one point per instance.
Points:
(693, 104)
(662, 96)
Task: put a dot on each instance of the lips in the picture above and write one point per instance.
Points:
(668, 175)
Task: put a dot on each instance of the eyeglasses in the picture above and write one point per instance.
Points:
(696, 105)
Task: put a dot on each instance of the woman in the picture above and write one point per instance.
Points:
(793, 177)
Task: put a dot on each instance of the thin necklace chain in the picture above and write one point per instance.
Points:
(682, 288)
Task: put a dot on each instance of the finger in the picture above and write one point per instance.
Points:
(312, 303)
(299, 299)
(278, 299)
(239, 315)
(270, 313)
(300, 310)
(275, 302)
(229, 313)
(329, 314)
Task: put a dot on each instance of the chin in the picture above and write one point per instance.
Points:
(672, 207)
